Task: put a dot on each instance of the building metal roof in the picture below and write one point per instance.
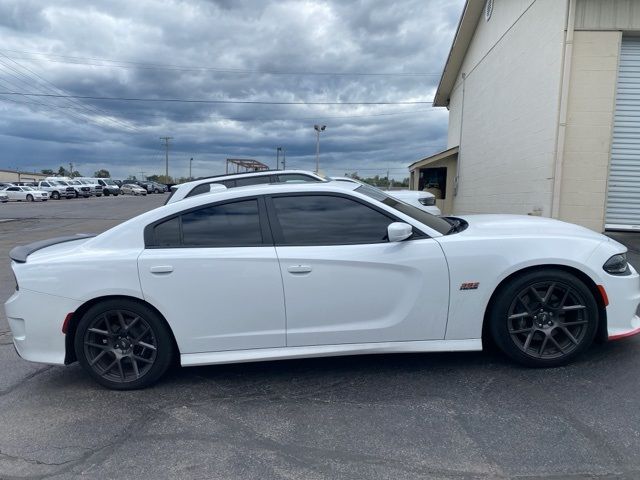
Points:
(464, 34)
(435, 157)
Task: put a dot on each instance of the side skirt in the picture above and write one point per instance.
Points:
(284, 353)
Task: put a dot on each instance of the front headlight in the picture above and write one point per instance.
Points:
(427, 201)
(617, 265)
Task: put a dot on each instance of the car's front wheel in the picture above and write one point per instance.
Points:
(544, 318)
(123, 345)
(29, 198)
(55, 196)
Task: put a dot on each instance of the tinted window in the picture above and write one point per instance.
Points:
(199, 190)
(44, 184)
(295, 177)
(437, 223)
(243, 182)
(167, 234)
(228, 225)
(329, 220)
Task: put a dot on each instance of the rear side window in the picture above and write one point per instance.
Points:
(199, 190)
(328, 220)
(234, 224)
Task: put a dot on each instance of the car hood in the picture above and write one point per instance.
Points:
(524, 225)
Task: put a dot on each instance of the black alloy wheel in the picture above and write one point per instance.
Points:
(123, 345)
(544, 318)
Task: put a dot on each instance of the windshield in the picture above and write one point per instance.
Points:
(60, 182)
(109, 182)
(27, 189)
(438, 224)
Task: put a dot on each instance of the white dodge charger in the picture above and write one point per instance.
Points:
(302, 270)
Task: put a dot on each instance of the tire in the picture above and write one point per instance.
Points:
(106, 193)
(77, 194)
(29, 198)
(124, 359)
(544, 318)
(156, 191)
(55, 196)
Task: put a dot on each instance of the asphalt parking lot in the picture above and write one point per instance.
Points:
(448, 416)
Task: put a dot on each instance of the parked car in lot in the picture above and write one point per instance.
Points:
(56, 189)
(206, 184)
(132, 189)
(109, 187)
(28, 194)
(81, 189)
(4, 185)
(143, 184)
(4, 198)
(423, 200)
(96, 188)
(158, 187)
(356, 271)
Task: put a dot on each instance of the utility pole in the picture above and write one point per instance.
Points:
(70, 170)
(142, 175)
(318, 129)
(284, 159)
(166, 157)
(278, 150)
(190, 162)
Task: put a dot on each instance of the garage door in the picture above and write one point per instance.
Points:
(623, 197)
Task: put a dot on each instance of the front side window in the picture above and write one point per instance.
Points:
(235, 224)
(328, 220)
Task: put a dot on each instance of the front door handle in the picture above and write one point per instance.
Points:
(297, 269)
(161, 269)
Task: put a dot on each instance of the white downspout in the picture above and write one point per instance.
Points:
(562, 110)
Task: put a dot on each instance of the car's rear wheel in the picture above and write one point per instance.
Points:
(123, 345)
(29, 198)
(544, 318)
(55, 196)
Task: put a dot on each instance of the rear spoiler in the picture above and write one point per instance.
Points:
(20, 253)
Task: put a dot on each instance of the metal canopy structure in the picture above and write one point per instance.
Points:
(247, 164)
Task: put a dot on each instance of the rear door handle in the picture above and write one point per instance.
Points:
(161, 269)
(297, 269)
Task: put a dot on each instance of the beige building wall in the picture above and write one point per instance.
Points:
(507, 122)
(13, 176)
(590, 113)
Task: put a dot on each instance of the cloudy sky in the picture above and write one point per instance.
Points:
(295, 52)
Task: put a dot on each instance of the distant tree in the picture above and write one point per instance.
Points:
(47, 171)
(132, 177)
(102, 173)
(62, 172)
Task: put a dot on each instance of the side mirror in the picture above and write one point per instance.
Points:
(399, 231)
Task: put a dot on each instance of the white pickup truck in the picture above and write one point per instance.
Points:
(57, 189)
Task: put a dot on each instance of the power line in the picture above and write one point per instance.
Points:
(164, 66)
(32, 82)
(216, 102)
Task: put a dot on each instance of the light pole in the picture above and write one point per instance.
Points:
(278, 150)
(190, 162)
(284, 159)
(318, 129)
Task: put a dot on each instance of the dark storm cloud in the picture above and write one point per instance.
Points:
(242, 50)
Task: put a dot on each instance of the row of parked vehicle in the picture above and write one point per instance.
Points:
(56, 188)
